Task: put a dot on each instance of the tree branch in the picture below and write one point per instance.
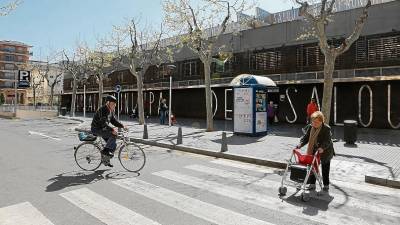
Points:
(330, 8)
(356, 32)
(323, 5)
(303, 11)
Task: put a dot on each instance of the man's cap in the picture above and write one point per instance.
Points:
(111, 98)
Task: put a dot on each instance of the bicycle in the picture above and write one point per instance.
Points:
(88, 154)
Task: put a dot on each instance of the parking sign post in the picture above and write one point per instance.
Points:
(118, 90)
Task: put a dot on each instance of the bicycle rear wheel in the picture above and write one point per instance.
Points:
(87, 156)
(132, 157)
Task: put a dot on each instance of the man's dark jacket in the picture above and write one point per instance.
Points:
(324, 141)
(103, 118)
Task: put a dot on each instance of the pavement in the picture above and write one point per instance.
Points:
(375, 157)
(41, 184)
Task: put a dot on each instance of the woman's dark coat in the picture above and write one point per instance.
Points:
(324, 141)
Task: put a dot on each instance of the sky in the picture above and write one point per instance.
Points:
(53, 25)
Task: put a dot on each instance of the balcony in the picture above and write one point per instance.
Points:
(15, 52)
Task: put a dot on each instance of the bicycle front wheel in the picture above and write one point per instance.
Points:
(88, 156)
(132, 157)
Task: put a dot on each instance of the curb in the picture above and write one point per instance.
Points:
(71, 118)
(382, 181)
(241, 158)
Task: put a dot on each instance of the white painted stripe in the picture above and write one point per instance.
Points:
(246, 166)
(22, 214)
(43, 135)
(338, 200)
(197, 208)
(365, 187)
(104, 209)
(292, 208)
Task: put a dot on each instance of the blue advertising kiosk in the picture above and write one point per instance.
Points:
(250, 103)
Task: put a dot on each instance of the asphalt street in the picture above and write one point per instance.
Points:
(41, 184)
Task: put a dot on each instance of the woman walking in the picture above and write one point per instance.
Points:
(319, 138)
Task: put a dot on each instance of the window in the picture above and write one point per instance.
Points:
(9, 49)
(9, 75)
(120, 78)
(190, 69)
(9, 58)
(162, 72)
(384, 49)
(219, 66)
(309, 56)
(269, 60)
(9, 66)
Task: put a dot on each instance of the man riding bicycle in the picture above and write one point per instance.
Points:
(100, 127)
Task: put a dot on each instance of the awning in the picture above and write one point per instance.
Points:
(249, 79)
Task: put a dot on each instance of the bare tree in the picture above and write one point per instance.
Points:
(319, 18)
(77, 66)
(101, 64)
(200, 29)
(53, 78)
(41, 69)
(6, 9)
(139, 52)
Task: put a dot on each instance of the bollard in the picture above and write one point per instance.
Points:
(145, 134)
(224, 145)
(179, 141)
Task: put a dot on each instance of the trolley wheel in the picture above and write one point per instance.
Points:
(282, 190)
(305, 197)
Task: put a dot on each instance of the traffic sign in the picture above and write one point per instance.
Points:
(24, 79)
(118, 88)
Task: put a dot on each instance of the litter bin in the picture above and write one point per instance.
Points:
(63, 111)
(350, 131)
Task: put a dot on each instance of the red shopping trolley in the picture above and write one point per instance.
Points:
(301, 167)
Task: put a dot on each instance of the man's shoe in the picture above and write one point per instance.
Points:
(106, 162)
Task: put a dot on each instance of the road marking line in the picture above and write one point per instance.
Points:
(263, 182)
(365, 187)
(271, 203)
(197, 208)
(22, 214)
(104, 209)
(43, 135)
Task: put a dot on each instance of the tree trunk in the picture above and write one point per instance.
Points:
(73, 101)
(207, 82)
(34, 96)
(51, 95)
(139, 80)
(100, 92)
(328, 86)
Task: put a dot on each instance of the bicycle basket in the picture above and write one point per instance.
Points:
(86, 137)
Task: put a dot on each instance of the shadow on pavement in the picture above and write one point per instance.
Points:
(61, 181)
(369, 160)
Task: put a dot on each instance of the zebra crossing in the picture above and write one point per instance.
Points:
(248, 185)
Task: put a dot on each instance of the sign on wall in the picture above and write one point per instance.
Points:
(261, 111)
(243, 114)
(24, 79)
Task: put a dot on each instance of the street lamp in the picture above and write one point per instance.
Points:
(171, 68)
